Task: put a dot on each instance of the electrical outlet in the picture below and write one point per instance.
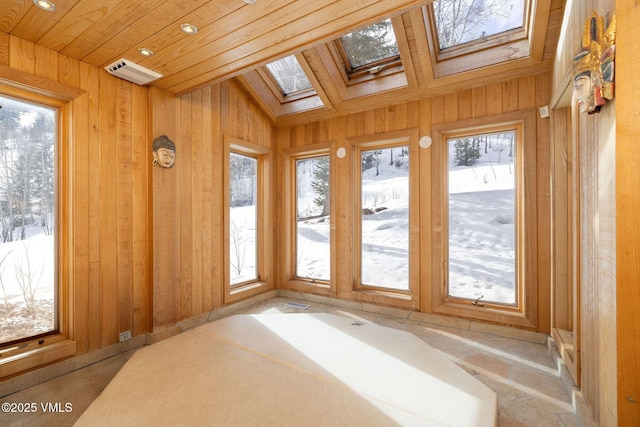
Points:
(126, 335)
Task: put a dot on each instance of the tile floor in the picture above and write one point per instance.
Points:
(522, 373)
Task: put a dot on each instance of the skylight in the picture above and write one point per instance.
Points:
(289, 75)
(370, 45)
(462, 21)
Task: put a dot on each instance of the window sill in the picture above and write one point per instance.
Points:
(505, 316)
(40, 356)
(305, 285)
(247, 290)
(390, 298)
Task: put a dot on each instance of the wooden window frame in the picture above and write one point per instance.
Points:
(383, 295)
(510, 45)
(525, 314)
(264, 226)
(267, 92)
(393, 67)
(58, 344)
(284, 98)
(352, 73)
(291, 155)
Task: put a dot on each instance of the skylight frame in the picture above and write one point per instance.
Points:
(352, 72)
(498, 48)
(490, 37)
(277, 88)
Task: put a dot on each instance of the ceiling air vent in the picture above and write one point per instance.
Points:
(132, 72)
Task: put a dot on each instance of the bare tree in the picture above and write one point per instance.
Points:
(238, 247)
(460, 21)
(289, 75)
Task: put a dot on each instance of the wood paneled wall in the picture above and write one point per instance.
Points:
(106, 167)
(146, 242)
(626, 259)
(188, 198)
(597, 276)
(518, 94)
(603, 296)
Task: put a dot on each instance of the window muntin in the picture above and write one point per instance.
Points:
(289, 75)
(462, 21)
(313, 250)
(384, 217)
(482, 218)
(243, 221)
(369, 47)
(28, 282)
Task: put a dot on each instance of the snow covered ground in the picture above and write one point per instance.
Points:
(243, 250)
(27, 286)
(29, 264)
(482, 234)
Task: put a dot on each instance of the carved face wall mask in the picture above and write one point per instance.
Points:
(594, 64)
(164, 152)
(584, 93)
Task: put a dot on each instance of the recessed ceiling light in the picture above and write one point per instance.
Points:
(188, 28)
(145, 52)
(45, 5)
(249, 1)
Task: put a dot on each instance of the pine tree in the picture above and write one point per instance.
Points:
(320, 183)
(370, 44)
(467, 151)
(9, 135)
(242, 175)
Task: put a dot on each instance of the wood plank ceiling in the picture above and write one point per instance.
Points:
(236, 39)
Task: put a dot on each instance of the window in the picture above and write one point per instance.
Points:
(248, 231)
(462, 21)
(289, 75)
(243, 238)
(28, 282)
(485, 219)
(465, 35)
(383, 208)
(369, 49)
(482, 219)
(312, 241)
(284, 87)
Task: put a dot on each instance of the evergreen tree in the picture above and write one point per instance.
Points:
(467, 151)
(9, 134)
(242, 175)
(42, 165)
(370, 159)
(320, 184)
(370, 44)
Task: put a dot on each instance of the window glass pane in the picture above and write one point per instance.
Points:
(371, 44)
(312, 225)
(28, 303)
(461, 21)
(482, 217)
(289, 75)
(243, 177)
(385, 218)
